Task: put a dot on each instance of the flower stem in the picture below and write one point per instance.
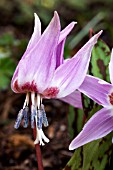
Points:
(38, 152)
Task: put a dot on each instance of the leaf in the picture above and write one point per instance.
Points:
(7, 67)
(100, 60)
(75, 119)
(93, 156)
(97, 153)
(76, 161)
(6, 39)
(71, 118)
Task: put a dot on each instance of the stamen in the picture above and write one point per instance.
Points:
(40, 119)
(33, 115)
(38, 101)
(38, 116)
(26, 101)
(18, 120)
(23, 113)
(33, 98)
(45, 121)
(33, 109)
(26, 119)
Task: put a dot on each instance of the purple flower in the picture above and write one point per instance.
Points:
(101, 123)
(43, 73)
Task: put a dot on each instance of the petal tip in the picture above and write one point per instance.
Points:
(74, 22)
(56, 19)
(100, 32)
(70, 147)
(36, 16)
(94, 39)
(56, 14)
(37, 20)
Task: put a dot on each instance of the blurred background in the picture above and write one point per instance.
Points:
(17, 150)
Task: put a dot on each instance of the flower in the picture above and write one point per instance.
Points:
(101, 123)
(43, 73)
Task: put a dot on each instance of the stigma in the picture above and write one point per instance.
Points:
(37, 116)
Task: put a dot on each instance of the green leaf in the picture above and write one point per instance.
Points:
(76, 161)
(92, 156)
(71, 118)
(75, 119)
(7, 67)
(97, 153)
(6, 39)
(100, 60)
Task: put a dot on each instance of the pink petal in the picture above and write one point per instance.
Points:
(36, 34)
(73, 99)
(60, 53)
(96, 89)
(69, 76)
(111, 67)
(61, 43)
(40, 62)
(99, 125)
(32, 42)
(66, 31)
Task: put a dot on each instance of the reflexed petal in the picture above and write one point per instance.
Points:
(96, 89)
(73, 99)
(60, 53)
(69, 76)
(111, 67)
(97, 127)
(40, 62)
(61, 43)
(34, 39)
(36, 34)
(66, 31)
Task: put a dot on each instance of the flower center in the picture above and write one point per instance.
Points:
(38, 117)
(111, 98)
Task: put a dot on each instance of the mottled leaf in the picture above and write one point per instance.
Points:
(75, 121)
(95, 155)
(100, 60)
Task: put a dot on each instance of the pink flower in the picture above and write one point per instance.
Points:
(101, 123)
(43, 73)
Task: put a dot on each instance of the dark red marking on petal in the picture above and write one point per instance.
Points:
(16, 87)
(34, 87)
(27, 87)
(111, 98)
(30, 87)
(51, 92)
